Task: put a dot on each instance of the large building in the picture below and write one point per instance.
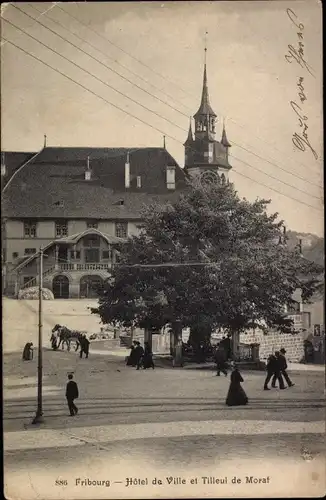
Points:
(79, 203)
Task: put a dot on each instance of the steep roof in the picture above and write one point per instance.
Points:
(53, 184)
(14, 160)
(224, 139)
(205, 107)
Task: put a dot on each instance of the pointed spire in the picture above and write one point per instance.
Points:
(44, 141)
(205, 107)
(224, 139)
(190, 138)
(164, 145)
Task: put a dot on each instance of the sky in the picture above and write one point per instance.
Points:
(255, 71)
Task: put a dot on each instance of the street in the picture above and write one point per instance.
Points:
(162, 423)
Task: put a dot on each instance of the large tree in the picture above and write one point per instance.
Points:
(210, 260)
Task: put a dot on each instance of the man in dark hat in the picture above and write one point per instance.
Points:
(71, 395)
(220, 360)
(139, 353)
(271, 370)
(278, 371)
(283, 367)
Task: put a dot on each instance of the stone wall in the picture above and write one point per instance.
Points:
(274, 341)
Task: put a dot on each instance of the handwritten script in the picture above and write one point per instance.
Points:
(300, 139)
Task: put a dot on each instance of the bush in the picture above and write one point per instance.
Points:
(32, 293)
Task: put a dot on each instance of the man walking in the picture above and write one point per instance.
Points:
(271, 369)
(84, 346)
(220, 360)
(283, 367)
(277, 372)
(139, 353)
(71, 395)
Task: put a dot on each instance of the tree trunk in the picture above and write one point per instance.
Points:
(236, 345)
(199, 335)
(148, 337)
(177, 345)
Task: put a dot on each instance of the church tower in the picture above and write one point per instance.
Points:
(204, 155)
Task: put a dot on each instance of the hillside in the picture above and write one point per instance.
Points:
(312, 246)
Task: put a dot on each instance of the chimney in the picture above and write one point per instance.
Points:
(3, 164)
(170, 177)
(88, 172)
(127, 172)
(138, 181)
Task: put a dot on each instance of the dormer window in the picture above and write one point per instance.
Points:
(88, 171)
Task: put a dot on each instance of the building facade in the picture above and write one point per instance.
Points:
(81, 204)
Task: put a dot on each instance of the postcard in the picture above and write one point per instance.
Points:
(162, 250)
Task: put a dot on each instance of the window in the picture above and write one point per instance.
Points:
(14, 255)
(61, 228)
(29, 251)
(30, 229)
(106, 255)
(75, 254)
(92, 224)
(27, 279)
(121, 229)
(91, 241)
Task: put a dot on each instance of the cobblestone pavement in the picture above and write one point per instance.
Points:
(158, 423)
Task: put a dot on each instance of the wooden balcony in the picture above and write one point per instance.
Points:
(83, 267)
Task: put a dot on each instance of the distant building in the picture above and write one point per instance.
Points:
(80, 203)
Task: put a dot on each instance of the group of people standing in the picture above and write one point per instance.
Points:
(140, 357)
(276, 370)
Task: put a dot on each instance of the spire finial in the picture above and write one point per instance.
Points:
(205, 49)
(164, 146)
(44, 141)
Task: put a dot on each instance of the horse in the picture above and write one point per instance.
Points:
(66, 336)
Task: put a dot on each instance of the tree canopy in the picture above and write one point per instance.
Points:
(210, 260)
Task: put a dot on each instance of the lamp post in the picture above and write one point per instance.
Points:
(38, 419)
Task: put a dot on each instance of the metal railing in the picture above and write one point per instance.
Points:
(34, 281)
(67, 267)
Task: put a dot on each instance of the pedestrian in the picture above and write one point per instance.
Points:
(283, 366)
(28, 351)
(71, 395)
(236, 395)
(277, 372)
(271, 369)
(131, 358)
(148, 357)
(139, 353)
(226, 343)
(84, 346)
(220, 360)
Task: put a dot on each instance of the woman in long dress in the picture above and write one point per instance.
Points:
(131, 359)
(28, 351)
(236, 395)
